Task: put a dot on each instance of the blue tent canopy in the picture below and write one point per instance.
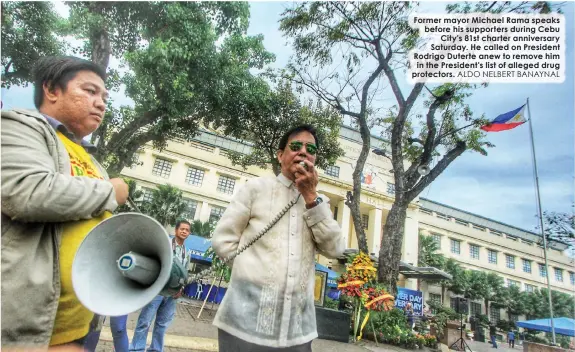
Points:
(198, 246)
(331, 275)
(563, 326)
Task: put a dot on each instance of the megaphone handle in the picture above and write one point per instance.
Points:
(133, 204)
(250, 243)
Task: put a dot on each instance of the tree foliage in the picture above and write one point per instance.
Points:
(542, 7)
(30, 30)
(166, 206)
(429, 255)
(202, 229)
(559, 226)
(264, 115)
(178, 59)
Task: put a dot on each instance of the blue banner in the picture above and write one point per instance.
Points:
(405, 295)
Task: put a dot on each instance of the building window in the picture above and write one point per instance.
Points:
(474, 309)
(527, 266)
(365, 221)
(510, 261)
(513, 283)
(146, 195)
(494, 314)
(436, 238)
(226, 184)
(453, 303)
(162, 168)
(332, 171)
(572, 278)
(492, 256)
(542, 270)
(190, 212)
(194, 177)
(335, 211)
(529, 288)
(216, 213)
(455, 246)
(390, 188)
(474, 251)
(558, 275)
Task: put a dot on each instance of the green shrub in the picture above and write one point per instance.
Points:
(330, 303)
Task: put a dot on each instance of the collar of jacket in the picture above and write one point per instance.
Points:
(58, 126)
(284, 180)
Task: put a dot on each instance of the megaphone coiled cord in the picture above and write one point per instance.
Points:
(238, 251)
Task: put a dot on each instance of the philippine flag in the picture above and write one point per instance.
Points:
(506, 121)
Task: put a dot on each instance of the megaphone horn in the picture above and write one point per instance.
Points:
(423, 170)
(123, 264)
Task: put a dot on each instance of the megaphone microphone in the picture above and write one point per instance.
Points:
(123, 264)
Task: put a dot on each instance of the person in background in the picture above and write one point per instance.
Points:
(408, 310)
(269, 304)
(164, 308)
(511, 338)
(53, 193)
(493, 335)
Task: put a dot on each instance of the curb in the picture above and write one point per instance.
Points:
(176, 341)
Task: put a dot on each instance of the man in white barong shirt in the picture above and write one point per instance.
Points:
(269, 304)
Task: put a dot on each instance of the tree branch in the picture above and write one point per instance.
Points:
(436, 171)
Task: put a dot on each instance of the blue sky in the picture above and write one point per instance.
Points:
(499, 186)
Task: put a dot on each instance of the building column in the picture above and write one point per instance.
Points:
(343, 218)
(375, 229)
(411, 245)
(205, 212)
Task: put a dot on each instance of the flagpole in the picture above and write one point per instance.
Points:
(541, 222)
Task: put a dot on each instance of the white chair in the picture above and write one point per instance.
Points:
(199, 291)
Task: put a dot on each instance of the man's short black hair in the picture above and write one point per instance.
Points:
(57, 71)
(296, 130)
(183, 222)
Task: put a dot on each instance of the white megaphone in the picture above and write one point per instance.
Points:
(123, 264)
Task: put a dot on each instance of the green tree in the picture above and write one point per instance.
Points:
(370, 40)
(266, 114)
(559, 226)
(512, 300)
(166, 206)
(428, 255)
(202, 229)
(30, 30)
(179, 58)
(492, 290)
(542, 7)
(459, 284)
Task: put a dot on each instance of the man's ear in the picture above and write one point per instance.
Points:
(279, 155)
(50, 94)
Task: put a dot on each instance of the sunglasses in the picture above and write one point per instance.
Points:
(309, 147)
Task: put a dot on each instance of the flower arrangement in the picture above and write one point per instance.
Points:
(359, 283)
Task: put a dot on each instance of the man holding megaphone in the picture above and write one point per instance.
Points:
(269, 303)
(53, 193)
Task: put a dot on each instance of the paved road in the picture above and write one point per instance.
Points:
(193, 334)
